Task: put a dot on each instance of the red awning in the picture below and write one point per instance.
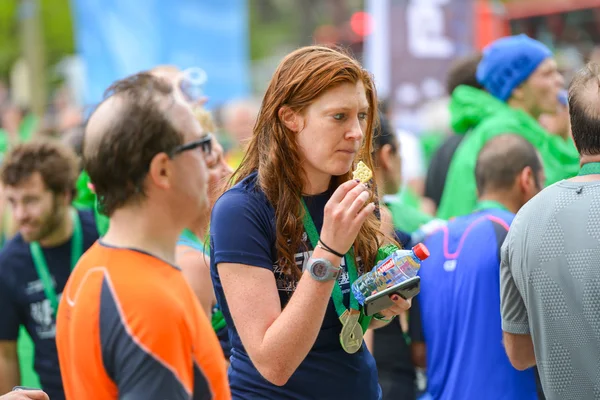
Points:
(517, 9)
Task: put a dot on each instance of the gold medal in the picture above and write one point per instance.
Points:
(351, 336)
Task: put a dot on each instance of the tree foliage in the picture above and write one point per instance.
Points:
(57, 26)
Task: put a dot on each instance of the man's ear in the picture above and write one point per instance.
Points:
(290, 119)
(160, 170)
(527, 184)
(518, 93)
(385, 156)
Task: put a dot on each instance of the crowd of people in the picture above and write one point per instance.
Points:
(154, 258)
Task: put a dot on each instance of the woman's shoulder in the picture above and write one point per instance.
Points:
(247, 187)
(244, 195)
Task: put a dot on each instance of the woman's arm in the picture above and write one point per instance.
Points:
(277, 341)
(369, 339)
(195, 266)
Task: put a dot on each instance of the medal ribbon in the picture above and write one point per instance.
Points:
(39, 261)
(336, 294)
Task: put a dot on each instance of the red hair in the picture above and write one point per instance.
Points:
(300, 78)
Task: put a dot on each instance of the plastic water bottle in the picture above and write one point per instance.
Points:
(395, 268)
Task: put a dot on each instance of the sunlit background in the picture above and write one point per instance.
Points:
(58, 55)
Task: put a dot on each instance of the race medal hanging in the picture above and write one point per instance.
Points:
(351, 335)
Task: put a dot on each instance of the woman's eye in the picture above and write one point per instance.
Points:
(363, 116)
(339, 117)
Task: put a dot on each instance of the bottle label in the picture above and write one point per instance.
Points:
(386, 265)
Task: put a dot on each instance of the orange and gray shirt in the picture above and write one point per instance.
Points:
(129, 327)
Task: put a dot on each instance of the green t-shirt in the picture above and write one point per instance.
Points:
(406, 217)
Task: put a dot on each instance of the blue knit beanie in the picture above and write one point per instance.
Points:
(508, 62)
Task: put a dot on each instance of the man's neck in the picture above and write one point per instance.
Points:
(587, 159)
(201, 227)
(61, 234)
(517, 105)
(146, 230)
(504, 199)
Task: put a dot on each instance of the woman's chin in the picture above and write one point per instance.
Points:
(340, 170)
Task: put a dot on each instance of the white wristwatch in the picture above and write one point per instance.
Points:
(322, 270)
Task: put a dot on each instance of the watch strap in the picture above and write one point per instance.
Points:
(333, 272)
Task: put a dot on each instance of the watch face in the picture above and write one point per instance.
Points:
(319, 269)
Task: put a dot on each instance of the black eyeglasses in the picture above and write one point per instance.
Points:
(205, 143)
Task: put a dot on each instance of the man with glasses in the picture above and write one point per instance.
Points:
(129, 326)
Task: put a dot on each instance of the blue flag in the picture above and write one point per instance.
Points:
(117, 38)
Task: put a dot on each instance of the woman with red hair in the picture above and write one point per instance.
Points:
(295, 230)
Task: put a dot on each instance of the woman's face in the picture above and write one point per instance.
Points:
(331, 130)
(218, 172)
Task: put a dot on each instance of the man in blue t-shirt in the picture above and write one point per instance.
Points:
(460, 290)
(39, 180)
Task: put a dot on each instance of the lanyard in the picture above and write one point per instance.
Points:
(338, 297)
(336, 294)
(39, 261)
(490, 205)
(592, 168)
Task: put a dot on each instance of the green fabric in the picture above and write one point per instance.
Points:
(189, 235)
(102, 221)
(85, 196)
(406, 217)
(217, 320)
(189, 239)
(384, 252)
(26, 351)
(407, 196)
(430, 143)
(3, 141)
(485, 117)
(27, 129)
(86, 199)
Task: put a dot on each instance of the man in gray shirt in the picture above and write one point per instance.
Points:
(550, 269)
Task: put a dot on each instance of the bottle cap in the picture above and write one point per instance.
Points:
(421, 251)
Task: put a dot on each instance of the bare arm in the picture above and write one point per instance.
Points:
(9, 365)
(369, 339)
(195, 266)
(515, 319)
(418, 354)
(277, 341)
(519, 349)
